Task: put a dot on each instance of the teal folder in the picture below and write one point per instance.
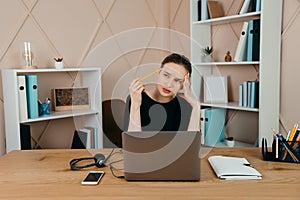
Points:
(214, 125)
(250, 40)
(256, 40)
(253, 40)
(32, 96)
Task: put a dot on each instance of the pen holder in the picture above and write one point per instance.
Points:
(44, 109)
(288, 151)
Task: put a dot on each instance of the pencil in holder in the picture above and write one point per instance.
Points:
(282, 151)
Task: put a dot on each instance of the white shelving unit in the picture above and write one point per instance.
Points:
(268, 64)
(47, 80)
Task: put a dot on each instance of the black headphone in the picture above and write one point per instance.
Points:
(99, 161)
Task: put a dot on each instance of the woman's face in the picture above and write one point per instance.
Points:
(170, 79)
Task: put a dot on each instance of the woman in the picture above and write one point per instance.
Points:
(162, 107)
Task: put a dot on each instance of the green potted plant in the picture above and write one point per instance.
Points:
(207, 54)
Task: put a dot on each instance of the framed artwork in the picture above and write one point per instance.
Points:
(71, 98)
(215, 89)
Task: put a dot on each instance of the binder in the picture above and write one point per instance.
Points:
(203, 120)
(214, 126)
(258, 6)
(250, 41)
(25, 137)
(199, 9)
(241, 50)
(256, 40)
(32, 96)
(22, 97)
(245, 7)
(253, 40)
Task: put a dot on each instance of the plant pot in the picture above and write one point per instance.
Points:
(59, 65)
(206, 58)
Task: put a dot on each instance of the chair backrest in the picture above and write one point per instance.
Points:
(113, 117)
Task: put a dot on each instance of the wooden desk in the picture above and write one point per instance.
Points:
(45, 174)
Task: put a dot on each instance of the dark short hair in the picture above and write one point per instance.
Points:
(178, 59)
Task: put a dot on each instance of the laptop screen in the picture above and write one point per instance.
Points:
(161, 155)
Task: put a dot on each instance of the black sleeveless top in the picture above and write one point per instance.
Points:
(155, 116)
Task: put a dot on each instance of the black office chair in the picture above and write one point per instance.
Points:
(113, 115)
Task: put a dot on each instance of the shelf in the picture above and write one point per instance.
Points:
(54, 70)
(230, 105)
(61, 115)
(236, 144)
(230, 19)
(228, 63)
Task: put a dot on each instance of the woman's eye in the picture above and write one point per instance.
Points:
(177, 80)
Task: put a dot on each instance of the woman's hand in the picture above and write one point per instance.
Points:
(187, 93)
(135, 89)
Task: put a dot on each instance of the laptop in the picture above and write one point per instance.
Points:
(161, 156)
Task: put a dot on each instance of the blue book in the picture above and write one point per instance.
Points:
(214, 126)
(32, 96)
(248, 93)
(241, 95)
(258, 5)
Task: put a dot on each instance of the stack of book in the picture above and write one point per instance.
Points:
(249, 94)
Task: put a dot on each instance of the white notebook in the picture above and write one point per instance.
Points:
(233, 168)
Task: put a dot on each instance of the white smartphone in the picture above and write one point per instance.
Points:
(92, 178)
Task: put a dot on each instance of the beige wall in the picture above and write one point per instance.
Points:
(73, 29)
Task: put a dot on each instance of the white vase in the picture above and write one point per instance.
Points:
(206, 58)
(59, 65)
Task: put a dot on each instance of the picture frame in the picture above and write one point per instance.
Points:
(71, 98)
(215, 89)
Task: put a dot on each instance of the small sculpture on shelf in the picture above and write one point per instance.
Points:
(207, 54)
(228, 57)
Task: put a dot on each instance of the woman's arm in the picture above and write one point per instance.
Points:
(194, 124)
(135, 90)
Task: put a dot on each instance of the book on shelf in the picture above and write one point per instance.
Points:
(22, 97)
(241, 50)
(199, 10)
(215, 9)
(249, 94)
(94, 136)
(258, 6)
(204, 10)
